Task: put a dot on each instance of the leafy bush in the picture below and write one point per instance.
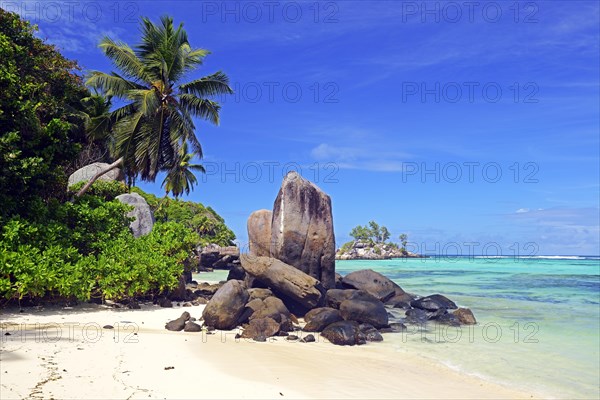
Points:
(209, 225)
(107, 190)
(85, 249)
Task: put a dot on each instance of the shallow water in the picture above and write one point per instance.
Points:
(538, 319)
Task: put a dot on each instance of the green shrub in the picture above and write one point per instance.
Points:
(106, 190)
(85, 249)
(209, 225)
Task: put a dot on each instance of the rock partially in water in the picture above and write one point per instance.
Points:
(373, 283)
(416, 316)
(370, 312)
(433, 303)
(465, 316)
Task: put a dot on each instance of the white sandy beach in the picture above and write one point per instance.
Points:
(47, 355)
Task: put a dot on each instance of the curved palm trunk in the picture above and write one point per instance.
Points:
(98, 175)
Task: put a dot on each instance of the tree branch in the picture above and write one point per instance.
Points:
(98, 175)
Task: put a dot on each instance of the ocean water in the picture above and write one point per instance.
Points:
(538, 319)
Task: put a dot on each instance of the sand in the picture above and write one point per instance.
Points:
(66, 353)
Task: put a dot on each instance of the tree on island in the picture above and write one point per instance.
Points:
(403, 241)
(157, 119)
(371, 233)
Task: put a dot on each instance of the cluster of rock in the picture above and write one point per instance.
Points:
(217, 257)
(289, 273)
(360, 250)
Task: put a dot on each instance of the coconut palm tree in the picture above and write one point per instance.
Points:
(157, 117)
(98, 127)
(180, 177)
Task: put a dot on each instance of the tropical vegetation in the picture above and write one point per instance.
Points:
(155, 125)
(374, 234)
(55, 245)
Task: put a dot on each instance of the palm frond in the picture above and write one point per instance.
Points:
(124, 58)
(111, 84)
(211, 85)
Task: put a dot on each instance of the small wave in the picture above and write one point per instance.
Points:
(556, 257)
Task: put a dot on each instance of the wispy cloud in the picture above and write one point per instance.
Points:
(574, 229)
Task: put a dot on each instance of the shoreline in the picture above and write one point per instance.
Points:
(129, 361)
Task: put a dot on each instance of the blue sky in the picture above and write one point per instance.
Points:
(472, 128)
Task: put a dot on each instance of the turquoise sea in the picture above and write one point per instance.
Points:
(538, 319)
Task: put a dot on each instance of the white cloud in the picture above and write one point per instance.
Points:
(366, 157)
(522, 210)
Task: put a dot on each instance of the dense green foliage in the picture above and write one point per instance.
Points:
(53, 248)
(202, 220)
(41, 129)
(107, 190)
(84, 249)
(371, 233)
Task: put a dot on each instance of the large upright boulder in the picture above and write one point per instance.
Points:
(373, 283)
(227, 305)
(142, 214)
(86, 173)
(284, 279)
(302, 229)
(259, 233)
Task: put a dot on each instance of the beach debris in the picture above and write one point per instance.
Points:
(108, 327)
(168, 368)
(226, 306)
(302, 229)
